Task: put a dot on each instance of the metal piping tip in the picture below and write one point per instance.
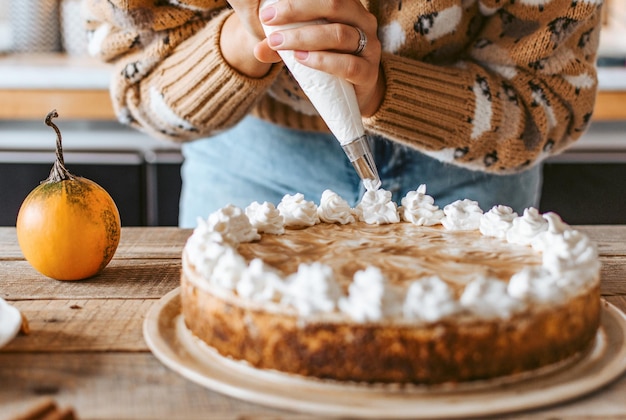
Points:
(360, 155)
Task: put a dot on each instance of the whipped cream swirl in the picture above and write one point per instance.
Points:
(376, 208)
(233, 224)
(488, 298)
(536, 284)
(554, 226)
(334, 209)
(429, 299)
(205, 248)
(526, 227)
(371, 297)
(259, 283)
(297, 211)
(497, 221)
(312, 289)
(228, 268)
(266, 218)
(566, 253)
(419, 208)
(462, 215)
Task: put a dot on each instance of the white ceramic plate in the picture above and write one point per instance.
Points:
(10, 322)
(170, 341)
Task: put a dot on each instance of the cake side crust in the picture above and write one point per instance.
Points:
(434, 353)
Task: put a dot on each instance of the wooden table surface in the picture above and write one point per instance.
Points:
(86, 349)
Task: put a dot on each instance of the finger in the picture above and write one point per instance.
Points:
(290, 11)
(325, 37)
(265, 54)
(361, 43)
(356, 70)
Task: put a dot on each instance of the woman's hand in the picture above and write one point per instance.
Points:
(330, 47)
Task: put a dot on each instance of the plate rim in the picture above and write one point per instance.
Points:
(507, 399)
(15, 317)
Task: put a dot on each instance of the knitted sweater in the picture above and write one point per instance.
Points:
(491, 85)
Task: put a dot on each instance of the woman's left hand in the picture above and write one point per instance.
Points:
(346, 46)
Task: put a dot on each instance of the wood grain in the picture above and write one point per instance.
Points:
(135, 242)
(114, 386)
(93, 325)
(138, 278)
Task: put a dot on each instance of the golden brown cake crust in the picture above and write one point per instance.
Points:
(464, 346)
(427, 354)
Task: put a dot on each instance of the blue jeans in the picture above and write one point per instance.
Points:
(260, 161)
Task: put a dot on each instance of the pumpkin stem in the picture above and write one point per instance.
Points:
(58, 172)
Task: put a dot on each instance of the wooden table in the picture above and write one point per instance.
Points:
(86, 350)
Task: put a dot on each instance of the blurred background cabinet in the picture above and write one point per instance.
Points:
(119, 173)
(587, 184)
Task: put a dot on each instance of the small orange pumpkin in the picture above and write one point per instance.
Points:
(68, 227)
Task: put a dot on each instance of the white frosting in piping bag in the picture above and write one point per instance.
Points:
(335, 100)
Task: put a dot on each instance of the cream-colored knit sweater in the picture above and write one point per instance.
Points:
(492, 85)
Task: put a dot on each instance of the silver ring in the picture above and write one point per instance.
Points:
(362, 42)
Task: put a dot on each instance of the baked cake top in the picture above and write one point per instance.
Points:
(381, 263)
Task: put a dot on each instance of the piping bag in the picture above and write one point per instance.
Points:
(335, 100)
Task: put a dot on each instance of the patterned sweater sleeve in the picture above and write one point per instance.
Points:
(524, 88)
(170, 79)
